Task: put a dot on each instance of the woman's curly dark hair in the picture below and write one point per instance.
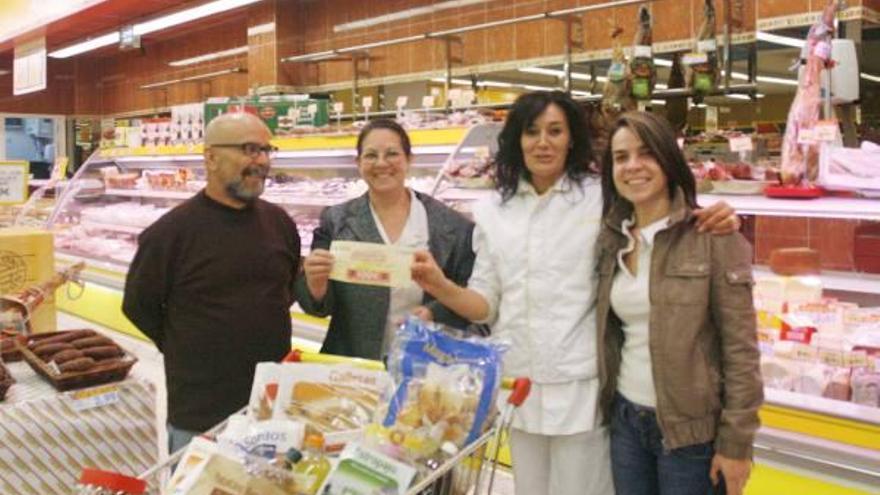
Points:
(510, 164)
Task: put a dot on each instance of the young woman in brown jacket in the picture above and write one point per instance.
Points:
(678, 358)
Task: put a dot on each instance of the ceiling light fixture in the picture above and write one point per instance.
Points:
(870, 77)
(779, 40)
(198, 77)
(209, 56)
(662, 62)
(153, 25)
(404, 14)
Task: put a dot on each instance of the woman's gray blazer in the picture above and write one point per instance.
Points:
(359, 312)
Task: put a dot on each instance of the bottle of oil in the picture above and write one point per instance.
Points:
(310, 472)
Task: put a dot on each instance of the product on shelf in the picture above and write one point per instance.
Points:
(642, 64)
(476, 172)
(616, 94)
(850, 168)
(800, 148)
(704, 61)
(795, 261)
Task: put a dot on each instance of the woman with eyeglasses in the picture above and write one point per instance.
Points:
(364, 318)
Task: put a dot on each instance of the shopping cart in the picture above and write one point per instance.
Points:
(461, 474)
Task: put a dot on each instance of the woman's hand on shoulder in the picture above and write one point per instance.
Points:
(317, 267)
(719, 219)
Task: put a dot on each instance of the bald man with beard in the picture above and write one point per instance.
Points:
(211, 283)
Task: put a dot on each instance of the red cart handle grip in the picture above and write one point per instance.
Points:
(521, 388)
(112, 481)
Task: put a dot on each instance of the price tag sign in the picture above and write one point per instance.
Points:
(402, 101)
(642, 51)
(694, 58)
(91, 398)
(312, 108)
(826, 130)
(454, 96)
(467, 96)
(14, 177)
(706, 46)
(338, 107)
(427, 101)
(806, 136)
(367, 102)
(711, 119)
(741, 143)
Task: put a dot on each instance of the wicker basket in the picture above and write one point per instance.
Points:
(5, 382)
(103, 372)
(9, 352)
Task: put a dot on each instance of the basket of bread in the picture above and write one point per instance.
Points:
(77, 358)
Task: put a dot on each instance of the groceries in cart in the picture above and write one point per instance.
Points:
(444, 394)
(336, 401)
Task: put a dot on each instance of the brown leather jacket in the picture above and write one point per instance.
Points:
(703, 345)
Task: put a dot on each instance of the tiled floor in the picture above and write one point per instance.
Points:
(150, 367)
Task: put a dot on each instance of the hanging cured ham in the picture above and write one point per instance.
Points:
(800, 153)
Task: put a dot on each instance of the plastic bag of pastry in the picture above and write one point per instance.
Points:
(337, 401)
(444, 393)
(703, 63)
(616, 93)
(642, 64)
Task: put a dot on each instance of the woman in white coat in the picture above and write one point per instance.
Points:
(534, 281)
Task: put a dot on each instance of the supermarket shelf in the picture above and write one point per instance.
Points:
(847, 208)
(867, 283)
(821, 405)
(302, 201)
(106, 273)
(127, 229)
(146, 193)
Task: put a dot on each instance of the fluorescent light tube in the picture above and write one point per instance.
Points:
(870, 77)
(153, 25)
(209, 56)
(86, 46)
(188, 15)
(554, 73)
(404, 14)
(658, 102)
(779, 40)
(662, 62)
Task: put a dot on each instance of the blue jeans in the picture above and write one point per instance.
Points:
(178, 438)
(641, 465)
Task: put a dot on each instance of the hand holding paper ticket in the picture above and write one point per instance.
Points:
(317, 267)
(368, 263)
(427, 273)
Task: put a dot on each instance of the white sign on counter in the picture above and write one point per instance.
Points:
(14, 177)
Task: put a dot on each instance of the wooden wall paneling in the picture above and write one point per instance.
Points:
(501, 41)
(529, 36)
(872, 4)
(777, 8)
(58, 98)
(476, 43)
(675, 20)
(262, 62)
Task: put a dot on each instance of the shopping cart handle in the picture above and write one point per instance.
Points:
(115, 482)
(521, 388)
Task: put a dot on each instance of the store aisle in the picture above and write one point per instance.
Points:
(150, 367)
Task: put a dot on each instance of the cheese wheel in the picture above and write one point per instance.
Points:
(795, 261)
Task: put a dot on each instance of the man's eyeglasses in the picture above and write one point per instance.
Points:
(252, 150)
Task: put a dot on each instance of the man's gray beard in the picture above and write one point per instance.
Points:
(238, 191)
